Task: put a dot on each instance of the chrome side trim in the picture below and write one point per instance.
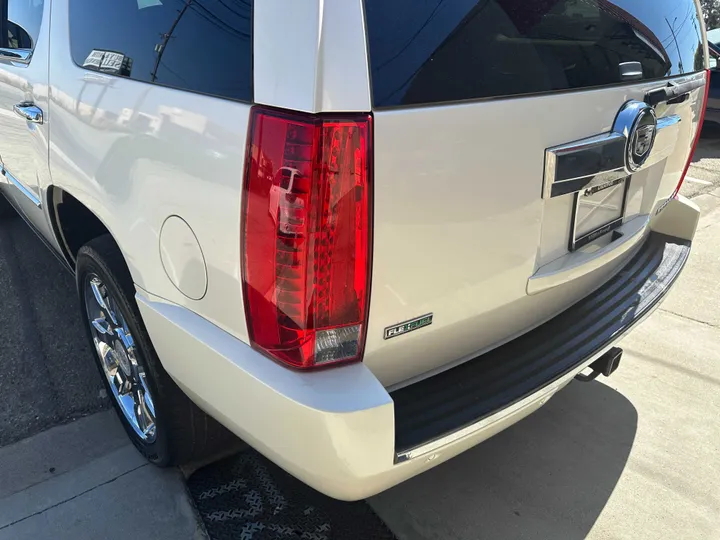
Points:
(21, 188)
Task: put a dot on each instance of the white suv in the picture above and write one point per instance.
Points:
(362, 236)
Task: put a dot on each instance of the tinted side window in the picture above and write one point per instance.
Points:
(23, 24)
(199, 45)
(431, 51)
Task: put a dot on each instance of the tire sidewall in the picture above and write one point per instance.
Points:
(6, 208)
(90, 262)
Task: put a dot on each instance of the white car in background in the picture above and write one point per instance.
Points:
(363, 236)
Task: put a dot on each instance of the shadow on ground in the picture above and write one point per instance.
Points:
(47, 373)
(710, 130)
(709, 140)
(549, 476)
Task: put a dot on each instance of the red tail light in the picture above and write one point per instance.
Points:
(306, 236)
(697, 135)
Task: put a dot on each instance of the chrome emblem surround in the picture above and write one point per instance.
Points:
(638, 123)
(641, 139)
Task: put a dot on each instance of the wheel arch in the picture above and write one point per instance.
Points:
(74, 223)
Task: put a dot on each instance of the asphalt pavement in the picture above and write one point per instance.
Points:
(47, 373)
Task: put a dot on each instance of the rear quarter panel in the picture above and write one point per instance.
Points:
(135, 154)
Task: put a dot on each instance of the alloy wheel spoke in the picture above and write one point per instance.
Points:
(103, 326)
(146, 421)
(95, 288)
(120, 382)
(127, 402)
(102, 299)
(107, 355)
(147, 396)
(126, 338)
(119, 359)
(104, 344)
(111, 309)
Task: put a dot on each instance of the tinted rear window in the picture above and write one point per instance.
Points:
(434, 51)
(199, 45)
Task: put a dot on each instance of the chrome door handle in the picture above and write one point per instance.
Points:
(29, 112)
(16, 55)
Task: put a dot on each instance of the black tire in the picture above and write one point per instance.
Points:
(184, 433)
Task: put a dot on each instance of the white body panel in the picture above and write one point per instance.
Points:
(24, 149)
(136, 154)
(333, 430)
(321, 66)
(460, 226)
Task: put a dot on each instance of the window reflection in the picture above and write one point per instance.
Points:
(109, 62)
(23, 24)
(429, 51)
(199, 45)
(17, 37)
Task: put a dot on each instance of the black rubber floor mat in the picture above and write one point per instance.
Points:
(246, 497)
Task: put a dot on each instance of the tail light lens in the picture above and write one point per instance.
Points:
(697, 135)
(306, 236)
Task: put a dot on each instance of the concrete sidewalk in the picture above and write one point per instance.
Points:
(85, 480)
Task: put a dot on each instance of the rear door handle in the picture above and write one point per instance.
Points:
(29, 112)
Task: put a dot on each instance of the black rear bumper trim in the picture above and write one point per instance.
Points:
(466, 394)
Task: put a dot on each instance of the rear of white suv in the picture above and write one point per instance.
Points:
(488, 210)
(363, 236)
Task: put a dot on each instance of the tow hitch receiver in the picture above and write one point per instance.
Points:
(605, 365)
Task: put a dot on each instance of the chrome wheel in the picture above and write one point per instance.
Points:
(119, 358)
